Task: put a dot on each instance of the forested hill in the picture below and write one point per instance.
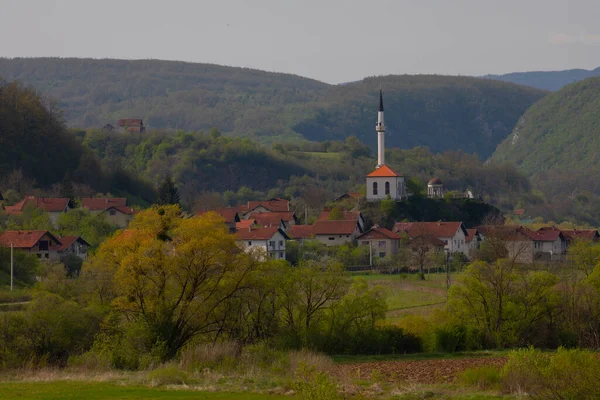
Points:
(547, 80)
(461, 113)
(556, 143)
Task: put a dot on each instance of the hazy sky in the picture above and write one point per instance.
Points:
(330, 40)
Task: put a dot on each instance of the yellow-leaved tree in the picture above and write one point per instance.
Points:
(174, 275)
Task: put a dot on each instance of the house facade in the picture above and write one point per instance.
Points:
(53, 206)
(382, 242)
(453, 234)
(73, 245)
(115, 208)
(270, 241)
(333, 233)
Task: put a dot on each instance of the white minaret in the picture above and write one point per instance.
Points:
(380, 133)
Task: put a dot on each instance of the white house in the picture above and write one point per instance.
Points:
(270, 240)
(453, 234)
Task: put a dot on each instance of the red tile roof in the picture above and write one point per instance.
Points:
(282, 215)
(48, 204)
(352, 195)
(383, 171)
(435, 181)
(267, 219)
(379, 233)
(259, 233)
(437, 229)
(67, 241)
(549, 234)
(334, 227)
(301, 231)
(507, 232)
(124, 210)
(274, 205)
(229, 214)
(520, 211)
(584, 234)
(130, 122)
(102, 203)
(425, 239)
(244, 224)
(472, 233)
(23, 239)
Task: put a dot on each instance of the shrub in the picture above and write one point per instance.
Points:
(566, 374)
(311, 384)
(169, 375)
(483, 378)
(453, 337)
(217, 355)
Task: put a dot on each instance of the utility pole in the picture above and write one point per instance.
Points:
(12, 262)
(448, 270)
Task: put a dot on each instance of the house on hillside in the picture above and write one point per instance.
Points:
(382, 242)
(54, 207)
(73, 245)
(516, 240)
(357, 216)
(115, 208)
(41, 243)
(271, 241)
(453, 234)
(271, 205)
(271, 218)
(550, 243)
(332, 233)
(131, 125)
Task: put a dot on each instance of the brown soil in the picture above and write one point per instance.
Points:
(417, 371)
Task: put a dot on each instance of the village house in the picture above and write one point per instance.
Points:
(271, 218)
(266, 206)
(353, 196)
(73, 245)
(472, 241)
(550, 243)
(346, 216)
(333, 233)
(115, 208)
(54, 207)
(229, 215)
(270, 240)
(301, 233)
(131, 125)
(580, 234)
(41, 243)
(453, 234)
(517, 241)
(382, 242)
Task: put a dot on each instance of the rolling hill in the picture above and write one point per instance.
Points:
(547, 80)
(440, 112)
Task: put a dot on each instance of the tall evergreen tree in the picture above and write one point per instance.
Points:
(167, 192)
(66, 189)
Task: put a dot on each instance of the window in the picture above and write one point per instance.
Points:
(382, 254)
(39, 255)
(47, 255)
(272, 244)
(375, 188)
(331, 238)
(387, 188)
(281, 243)
(112, 212)
(445, 242)
(249, 243)
(382, 243)
(43, 245)
(366, 242)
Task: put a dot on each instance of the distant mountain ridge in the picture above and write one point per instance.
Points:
(546, 80)
(440, 112)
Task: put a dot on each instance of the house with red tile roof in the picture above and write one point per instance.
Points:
(518, 241)
(271, 205)
(53, 206)
(115, 208)
(346, 216)
(550, 242)
(131, 125)
(270, 241)
(41, 243)
(300, 233)
(230, 216)
(453, 234)
(333, 233)
(581, 234)
(285, 218)
(382, 242)
(355, 196)
(73, 245)
(245, 224)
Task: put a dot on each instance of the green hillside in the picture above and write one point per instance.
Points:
(547, 80)
(556, 144)
(558, 132)
(440, 112)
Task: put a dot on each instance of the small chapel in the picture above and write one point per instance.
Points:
(384, 182)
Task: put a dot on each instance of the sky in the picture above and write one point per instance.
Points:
(330, 40)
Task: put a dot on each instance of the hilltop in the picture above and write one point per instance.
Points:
(556, 144)
(440, 112)
(546, 80)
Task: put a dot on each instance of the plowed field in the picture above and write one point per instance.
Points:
(416, 371)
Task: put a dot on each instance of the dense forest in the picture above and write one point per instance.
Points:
(546, 80)
(555, 143)
(440, 112)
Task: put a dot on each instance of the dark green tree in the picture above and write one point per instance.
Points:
(66, 189)
(167, 192)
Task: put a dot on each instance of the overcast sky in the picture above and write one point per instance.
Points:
(330, 40)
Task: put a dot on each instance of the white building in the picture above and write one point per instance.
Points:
(383, 182)
(453, 234)
(269, 240)
(333, 233)
(435, 188)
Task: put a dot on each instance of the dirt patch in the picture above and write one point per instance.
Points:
(418, 371)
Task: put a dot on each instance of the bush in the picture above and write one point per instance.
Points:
(483, 378)
(452, 337)
(169, 375)
(566, 374)
(217, 355)
(313, 385)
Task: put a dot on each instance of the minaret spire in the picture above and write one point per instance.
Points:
(380, 127)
